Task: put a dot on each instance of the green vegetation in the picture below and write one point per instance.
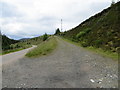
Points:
(44, 48)
(35, 41)
(12, 50)
(45, 37)
(6, 42)
(113, 55)
(110, 54)
(83, 33)
(57, 32)
(10, 45)
(17, 47)
(99, 32)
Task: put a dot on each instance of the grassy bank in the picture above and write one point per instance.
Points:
(99, 33)
(100, 51)
(44, 48)
(10, 51)
(21, 44)
(109, 54)
(13, 50)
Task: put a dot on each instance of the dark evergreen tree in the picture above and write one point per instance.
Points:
(45, 37)
(57, 31)
(6, 42)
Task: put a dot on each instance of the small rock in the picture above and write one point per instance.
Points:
(99, 82)
(111, 76)
(101, 79)
(92, 80)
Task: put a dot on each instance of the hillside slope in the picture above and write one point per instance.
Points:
(101, 30)
(6, 42)
(10, 45)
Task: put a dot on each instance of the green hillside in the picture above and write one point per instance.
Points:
(100, 31)
(6, 42)
(10, 45)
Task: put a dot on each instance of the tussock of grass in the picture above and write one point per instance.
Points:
(109, 54)
(100, 51)
(43, 48)
(13, 50)
(10, 51)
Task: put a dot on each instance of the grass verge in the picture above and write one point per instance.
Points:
(13, 50)
(113, 55)
(10, 51)
(44, 48)
(109, 54)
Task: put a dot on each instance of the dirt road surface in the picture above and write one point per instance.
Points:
(68, 66)
(9, 58)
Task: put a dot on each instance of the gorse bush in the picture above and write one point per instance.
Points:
(98, 43)
(83, 33)
(80, 34)
(84, 44)
(45, 37)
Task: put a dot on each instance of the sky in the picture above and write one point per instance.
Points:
(32, 18)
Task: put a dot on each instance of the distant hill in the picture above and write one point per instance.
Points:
(101, 30)
(23, 39)
(6, 42)
(11, 44)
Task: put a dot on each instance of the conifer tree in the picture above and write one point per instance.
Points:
(57, 31)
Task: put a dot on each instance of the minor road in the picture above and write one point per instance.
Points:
(9, 58)
(68, 66)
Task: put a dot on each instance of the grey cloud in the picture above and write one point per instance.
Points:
(9, 10)
(73, 16)
(31, 31)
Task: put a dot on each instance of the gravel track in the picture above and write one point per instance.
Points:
(10, 58)
(68, 66)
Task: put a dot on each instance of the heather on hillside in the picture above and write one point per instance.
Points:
(99, 31)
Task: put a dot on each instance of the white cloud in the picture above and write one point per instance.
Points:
(35, 17)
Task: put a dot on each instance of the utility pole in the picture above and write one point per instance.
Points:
(61, 25)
